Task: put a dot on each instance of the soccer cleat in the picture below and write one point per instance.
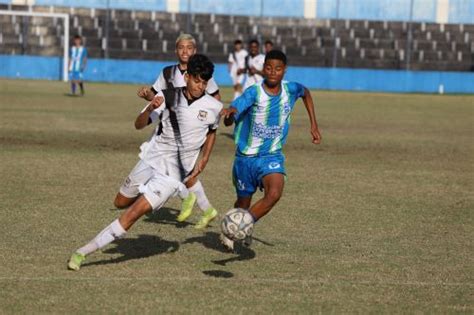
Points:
(75, 261)
(187, 207)
(227, 242)
(208, 215)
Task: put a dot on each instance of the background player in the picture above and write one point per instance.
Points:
(268, 46)
(237, 67)
(77, 64)
(254, 64)
(262, 118)
(172, 156)
(173, 76)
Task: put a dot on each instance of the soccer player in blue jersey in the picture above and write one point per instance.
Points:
(262, 120)
(77, 64)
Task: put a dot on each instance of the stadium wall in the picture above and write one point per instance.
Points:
(438, 11)
(131, 71)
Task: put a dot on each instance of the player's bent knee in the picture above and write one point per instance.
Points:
(122, 202)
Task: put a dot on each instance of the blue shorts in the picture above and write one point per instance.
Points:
(248, 171)
(75, 75)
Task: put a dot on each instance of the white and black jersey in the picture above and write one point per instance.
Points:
(256, 62)
(173, 77)
(182, 130)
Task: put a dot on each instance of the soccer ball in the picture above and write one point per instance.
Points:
(237, 224)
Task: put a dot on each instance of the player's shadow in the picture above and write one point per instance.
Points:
(166, 216)
(137, 248)
(211, 240)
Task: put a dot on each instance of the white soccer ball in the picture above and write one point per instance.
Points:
(237, 224)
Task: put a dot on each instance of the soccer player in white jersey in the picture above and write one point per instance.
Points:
(262, 121)
(237, 67)
(77, 64)
(173, 76)
(188, 121)
(254, 64)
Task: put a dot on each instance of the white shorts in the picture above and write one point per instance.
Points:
(155, 187)
(159, 189)
(237, 79)
(139, 175)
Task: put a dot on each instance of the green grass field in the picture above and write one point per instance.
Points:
(378, 218)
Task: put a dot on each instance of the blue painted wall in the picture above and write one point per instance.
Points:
(131, 71)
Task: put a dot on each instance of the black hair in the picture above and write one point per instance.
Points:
(254, 41)
(276, 55)
(77, 36)
(238, 42)
(200, 66)
(268, 42)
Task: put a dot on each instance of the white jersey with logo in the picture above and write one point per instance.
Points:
(237, 61)
(257, 63)
(172, 76)
(177, 141)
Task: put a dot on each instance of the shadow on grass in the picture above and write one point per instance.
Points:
(166, 216)
(211, 240)
(218, 273)
(137, 248)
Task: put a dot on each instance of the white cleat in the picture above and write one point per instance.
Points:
(227, 242)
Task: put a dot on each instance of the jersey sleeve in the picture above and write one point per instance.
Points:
(155, 115)
(296, 89)
(215, 125)
(244, 102)
(212, 87)
(231, 59)
(160, 83)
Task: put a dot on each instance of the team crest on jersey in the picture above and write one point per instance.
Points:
(273, 165)
(202, 115)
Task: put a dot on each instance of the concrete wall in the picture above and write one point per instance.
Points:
(440, 11)
(131, 71)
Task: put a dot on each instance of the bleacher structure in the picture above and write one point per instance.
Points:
(126, 34)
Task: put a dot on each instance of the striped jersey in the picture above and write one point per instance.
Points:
(263, 120)
(78, 55)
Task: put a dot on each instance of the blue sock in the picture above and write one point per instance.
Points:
(73, 88)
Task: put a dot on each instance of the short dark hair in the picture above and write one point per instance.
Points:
(201, 66)
(238, 42)
(268, 42)
(254, 41)
(77, 36)
(276, 55)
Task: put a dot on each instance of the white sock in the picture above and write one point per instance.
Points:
(107, 236)
(202, 201)
(183, 192)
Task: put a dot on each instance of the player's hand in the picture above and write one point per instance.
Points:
(155, 103)
(240, 71)
(228, 112)
(198, 168)
(146, 93)
(316, 135)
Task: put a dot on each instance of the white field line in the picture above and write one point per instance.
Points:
(249, 280)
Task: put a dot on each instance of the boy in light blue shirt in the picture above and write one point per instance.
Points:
(77, 64)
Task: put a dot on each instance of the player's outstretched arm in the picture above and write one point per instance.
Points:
(309, 104)
(205, 153)
(143, 119)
